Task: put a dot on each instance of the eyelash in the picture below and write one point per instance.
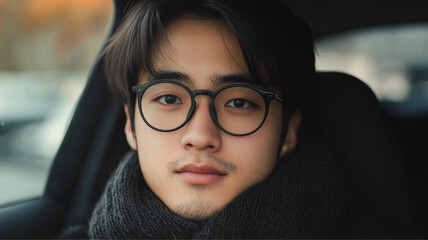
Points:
(165, 103)
(247, 103)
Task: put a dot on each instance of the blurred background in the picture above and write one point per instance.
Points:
(47, 48)
(392, 60)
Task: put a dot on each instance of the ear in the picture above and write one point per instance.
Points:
(130, 136)
(291, 138)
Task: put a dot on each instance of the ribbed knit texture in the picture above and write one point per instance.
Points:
(302, 198)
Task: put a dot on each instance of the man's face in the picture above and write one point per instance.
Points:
(198, 169)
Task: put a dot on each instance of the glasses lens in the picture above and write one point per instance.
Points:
(240, 110)
(165, 105)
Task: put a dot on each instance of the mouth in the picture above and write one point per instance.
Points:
(200, 175)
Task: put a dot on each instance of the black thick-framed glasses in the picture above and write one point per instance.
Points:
(237, 109)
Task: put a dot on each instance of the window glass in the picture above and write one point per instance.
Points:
(392, 60)
(47, 48)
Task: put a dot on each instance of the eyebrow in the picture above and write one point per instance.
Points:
(168, 75)
(235, 78)
(216, 79)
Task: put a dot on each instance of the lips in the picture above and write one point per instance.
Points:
(200, 175)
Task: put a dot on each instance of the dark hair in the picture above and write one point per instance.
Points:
(276, 45)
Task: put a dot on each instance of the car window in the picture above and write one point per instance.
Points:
(392, 60)
(47, 48)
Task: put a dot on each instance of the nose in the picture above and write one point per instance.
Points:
(201, 133)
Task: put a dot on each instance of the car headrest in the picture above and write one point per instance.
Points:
(345, 114)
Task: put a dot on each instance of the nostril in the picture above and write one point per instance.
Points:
(189, 145)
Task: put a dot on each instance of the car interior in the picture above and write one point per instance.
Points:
(381, 155)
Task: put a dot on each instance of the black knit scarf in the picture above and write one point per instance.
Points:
(302, 198)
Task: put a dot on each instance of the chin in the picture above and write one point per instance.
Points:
(197, 210)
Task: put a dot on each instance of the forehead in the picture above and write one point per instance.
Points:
(199, 48)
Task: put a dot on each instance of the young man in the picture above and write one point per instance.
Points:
(213, 92)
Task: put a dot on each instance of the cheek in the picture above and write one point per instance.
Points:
(262, 150)
(261, 158)
(254, 155)
(155, 149)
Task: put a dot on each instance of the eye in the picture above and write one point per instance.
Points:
(169, 99)
(239, 103)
